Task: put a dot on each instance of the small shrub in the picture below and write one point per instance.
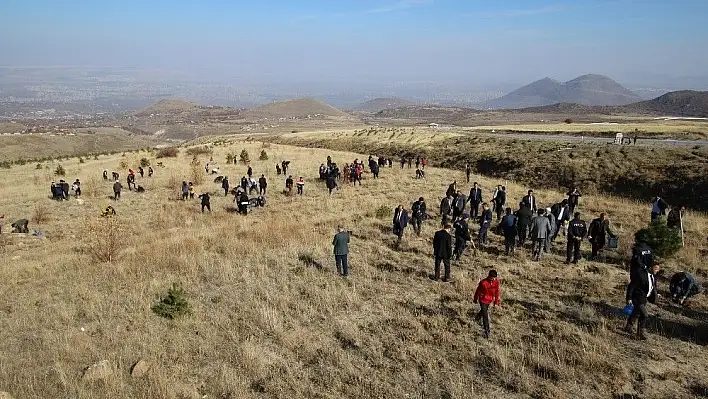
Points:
(229, 158)
(173, 305)
(244, 157)
(21, 162)
(169, 152)
(106, 238)
(60, 171)
(264, 156)
(194, 151)
(568, 121)
(383, 212)
(144, 162)
(41, 214)
(663, 240)
(39, 166)
(81, 160)
(6, 164)
(123, 164)
(95, 157)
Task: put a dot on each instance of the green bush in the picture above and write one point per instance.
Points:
(39, 166)
(81, 160)
(264, 156)
(123, 164)
(244, 157)
(144, 162)
(173, 305)
(205, 150)
(384, 212)
(21, 162)
(59, 171)
(229, 158)
(6, 164)
(663, 240)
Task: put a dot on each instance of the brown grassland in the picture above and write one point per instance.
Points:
(270, 318)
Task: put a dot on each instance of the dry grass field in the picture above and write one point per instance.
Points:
(676, 129)
(270, 318)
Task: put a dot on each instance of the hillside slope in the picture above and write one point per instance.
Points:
(380, 104)
(686, 103)
(585, 90)
(270, 318)
(167, 107)
(295, 108)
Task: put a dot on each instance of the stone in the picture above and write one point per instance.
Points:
(98, 371)
(140, 369)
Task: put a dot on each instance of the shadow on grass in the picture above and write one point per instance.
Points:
(309, 261)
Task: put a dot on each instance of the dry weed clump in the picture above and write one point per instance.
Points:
(41, 214)
(196, 151)
(169, 152)
(196, 172)
(105, 238)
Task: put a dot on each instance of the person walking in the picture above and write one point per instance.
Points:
(485, 222)
(468, 171)
(530, 201)
(459, 205)
(540, 231)
(442, 251)
(475, 199)
(523, 221)
(597, 234)
(562, 216)
(418, 212)
(573, 199)
(487, 292)
(658, 208)
(509, 229)
(446, 206)
(225, 185)
(640, 291)
(462, 235)
(117, 188)
(552, 220)
(577, 230)
(206, 201)
(262, 185)
(185, 191)
(341, 251)
(300, 184)
(400, 221)
(500, 201)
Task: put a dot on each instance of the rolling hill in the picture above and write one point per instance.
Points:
(584, 90)
(380, 104)
(686, 103)
(167, 107)
(295, 108)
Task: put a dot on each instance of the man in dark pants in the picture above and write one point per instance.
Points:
(205, 201)
(446, 208)
(573, 198)
(468, 171)
(530, 201)
(341, 251)
(577, 230)
(682, 287)
(462, 235)
(597, 234)
(262, 185)
(499, 202)
(117, 188)
(487, 293)
(225, 185)
(442, 251)
(658, 207)
(418, 211)
(508, 227)
(562, 215)
(475, 200)
(459, 205)
(640, 291)
(485, 221)
(400, 221)
(523, 221)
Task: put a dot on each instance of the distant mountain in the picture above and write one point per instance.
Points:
(167, 107)
(686, 103)
(296, 108)
(380, 104)
(583, 90)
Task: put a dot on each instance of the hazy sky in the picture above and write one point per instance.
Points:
(406, 40)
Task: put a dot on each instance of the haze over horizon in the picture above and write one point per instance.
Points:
(439, 41)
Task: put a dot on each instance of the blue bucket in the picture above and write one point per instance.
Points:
(628, 309)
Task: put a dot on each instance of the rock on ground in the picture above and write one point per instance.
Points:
(98, 371)
(140, 369)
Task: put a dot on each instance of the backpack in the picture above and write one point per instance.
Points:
(415, 209)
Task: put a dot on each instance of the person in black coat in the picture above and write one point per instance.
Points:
(206, 201)
(530, 201)
(475, 199)
(400, 221)
(462, 235)
(577, 230)
(658, 207)
(597, 234)
(508, 226)
(573, 198)
(418, 213)
(640, 291)
(331, 183)
(523, 221)
(262, 185)
(446, 206)
(562, 214)
(225, 185)
(485, 221)
(682, 287)
(442, 251)
(451, 189)
(642, 257)
(500, 201)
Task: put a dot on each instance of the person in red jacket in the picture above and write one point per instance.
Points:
(486, 293)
